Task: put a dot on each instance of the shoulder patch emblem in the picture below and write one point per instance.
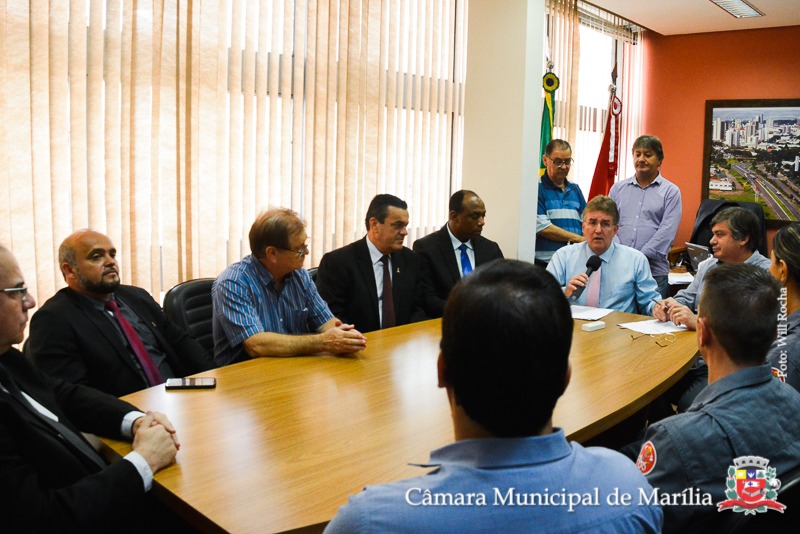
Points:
(647, 458)
(780, 375)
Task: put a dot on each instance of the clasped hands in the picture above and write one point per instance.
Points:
(154, 437)
(344, 338)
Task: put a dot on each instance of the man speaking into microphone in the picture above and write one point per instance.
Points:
(600, 272)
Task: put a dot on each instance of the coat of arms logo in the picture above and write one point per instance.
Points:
(751, 487)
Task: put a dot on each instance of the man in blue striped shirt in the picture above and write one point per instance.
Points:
(561, 203)
(267, 305)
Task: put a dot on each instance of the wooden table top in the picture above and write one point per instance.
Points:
(282, 442)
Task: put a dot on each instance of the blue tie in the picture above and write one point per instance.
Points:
(466, 266)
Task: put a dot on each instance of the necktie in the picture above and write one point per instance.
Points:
(593, 296)
(149, 368)
(387, 299)
(62, 430)
(466, 266)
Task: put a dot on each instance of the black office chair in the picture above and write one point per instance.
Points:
(188, 305)
(313, 272)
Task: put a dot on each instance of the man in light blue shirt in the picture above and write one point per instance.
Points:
(649, 209)
(509, 469)
(623, 282)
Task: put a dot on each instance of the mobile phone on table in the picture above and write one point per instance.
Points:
(191, 383)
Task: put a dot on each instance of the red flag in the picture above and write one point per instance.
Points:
(606, 170)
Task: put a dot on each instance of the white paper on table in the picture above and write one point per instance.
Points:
(680, 278)
(587, 313)
(653, 326)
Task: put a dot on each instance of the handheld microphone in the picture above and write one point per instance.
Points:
(592, 264)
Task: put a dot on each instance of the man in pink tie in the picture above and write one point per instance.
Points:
(622, 279)
(109, 336)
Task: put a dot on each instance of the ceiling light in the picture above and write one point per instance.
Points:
(738, 8)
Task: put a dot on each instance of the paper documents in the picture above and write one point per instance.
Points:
(587, 313)
(680, 278)
(653, 326)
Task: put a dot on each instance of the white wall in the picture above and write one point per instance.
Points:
(503, 113)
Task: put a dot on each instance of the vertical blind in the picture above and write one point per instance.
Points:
(169, 124)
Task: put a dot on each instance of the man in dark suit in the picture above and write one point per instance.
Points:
(105, 335)
(352, 279)
(51, 480)
(451, 253)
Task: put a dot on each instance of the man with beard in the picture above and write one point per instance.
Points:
(111, 337)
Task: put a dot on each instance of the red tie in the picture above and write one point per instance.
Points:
(149, 368)
(387, 299)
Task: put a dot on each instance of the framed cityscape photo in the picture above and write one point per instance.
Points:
(751, 152)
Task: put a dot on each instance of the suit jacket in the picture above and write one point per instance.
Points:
(72, 340)
(46, 484)
(346, 281)
(439, 267)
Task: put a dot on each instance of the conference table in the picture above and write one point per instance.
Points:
(281, 442)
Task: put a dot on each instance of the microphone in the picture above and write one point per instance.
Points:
(592, 264)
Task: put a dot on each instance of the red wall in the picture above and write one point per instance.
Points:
(681, 72)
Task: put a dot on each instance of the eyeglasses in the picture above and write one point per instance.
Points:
(300, 252)
(16, 293)
(605, 225)
(662, 340)
(562, 162)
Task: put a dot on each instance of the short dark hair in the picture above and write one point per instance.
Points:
(506, 337)
(649, 142)
(740, 304)
(556, 144)
(603, 204)
(274, 228)
(379, 207)
(457, 199)
(742, 222)
(786, 247)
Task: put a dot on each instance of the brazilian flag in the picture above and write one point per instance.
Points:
(550, 84)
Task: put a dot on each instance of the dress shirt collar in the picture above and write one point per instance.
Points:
(94, 303)
(633, 182)
(374, 254)
(455, 241)
(263, 274)
(605, 256)
(740, 379)
(486, 453)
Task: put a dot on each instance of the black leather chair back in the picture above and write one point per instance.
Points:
(188, 305)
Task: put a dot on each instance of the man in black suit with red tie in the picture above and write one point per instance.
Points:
(102, 334)
(354, 279)
(51, 480)
(451, 253)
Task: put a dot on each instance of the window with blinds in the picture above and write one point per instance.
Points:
(583, 41)
(169, 124)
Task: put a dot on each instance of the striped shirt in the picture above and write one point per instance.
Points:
(246, 303)
(562, 208)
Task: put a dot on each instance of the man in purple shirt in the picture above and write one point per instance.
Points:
(649, 209)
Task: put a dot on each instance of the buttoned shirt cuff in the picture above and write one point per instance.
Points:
(127, 423)
(142, 467)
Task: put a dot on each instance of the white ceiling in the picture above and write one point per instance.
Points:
(673, 17)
